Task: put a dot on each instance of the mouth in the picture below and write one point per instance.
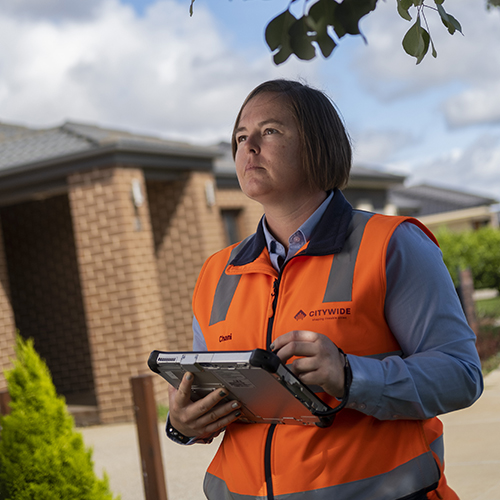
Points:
(252, 167)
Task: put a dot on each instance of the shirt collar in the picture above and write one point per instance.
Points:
(298, 239)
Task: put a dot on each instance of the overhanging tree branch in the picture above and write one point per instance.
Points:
(325, 22)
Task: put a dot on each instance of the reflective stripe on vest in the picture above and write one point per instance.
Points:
(389, 486)
(339, 287)
(226, 287)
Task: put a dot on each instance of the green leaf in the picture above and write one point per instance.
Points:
(325, 43)
(416, 41)
(348, 15)
(493, 3)
(448, 20)
(403, 7)
(434, 51)
(455, 24)
(323, 14)
(320, 16)
(191, 8)
(426, 39)
(277, 30)
(277, 36)
(301, 40)
(282, 55)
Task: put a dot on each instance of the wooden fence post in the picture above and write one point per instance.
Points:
(467, 298)
(146, 418)
(4, 402)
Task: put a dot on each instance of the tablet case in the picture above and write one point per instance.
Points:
(268, 391)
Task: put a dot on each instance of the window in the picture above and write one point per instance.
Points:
(231, 225)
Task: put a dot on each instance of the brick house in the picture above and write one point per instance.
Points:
(102, 236)
(438, 206)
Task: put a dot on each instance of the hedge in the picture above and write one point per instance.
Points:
(478, 250)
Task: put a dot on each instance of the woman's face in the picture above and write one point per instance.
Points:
(268, 155)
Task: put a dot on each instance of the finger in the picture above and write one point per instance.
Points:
(172, 391)
(218, 413)
(190, 422)
(191, 418)
(293, 336)
(295, 348)
(183, 393)
(207, 404)
(223, 422)
(306, 364)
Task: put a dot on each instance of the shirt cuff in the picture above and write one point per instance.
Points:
(174, 435)
(367, 384)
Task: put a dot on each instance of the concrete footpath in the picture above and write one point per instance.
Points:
(472, 443)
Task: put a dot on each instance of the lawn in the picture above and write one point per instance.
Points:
(488, 308)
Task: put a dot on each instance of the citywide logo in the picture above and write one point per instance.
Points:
(324, 314)
(300, 315)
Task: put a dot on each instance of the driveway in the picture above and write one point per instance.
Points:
(472, 444)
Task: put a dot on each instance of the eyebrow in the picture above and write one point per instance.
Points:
(261, 124)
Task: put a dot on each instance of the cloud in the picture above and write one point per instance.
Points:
(379, 146)
(54, 10)
(473, 168)
(467, 67)
(163, 72)
(476, 105)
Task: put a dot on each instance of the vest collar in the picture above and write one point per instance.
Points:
(327, 238)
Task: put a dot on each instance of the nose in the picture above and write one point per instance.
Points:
(252, 144)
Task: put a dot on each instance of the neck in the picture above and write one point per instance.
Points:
(283, 221)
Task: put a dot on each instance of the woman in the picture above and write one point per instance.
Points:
(409, 353)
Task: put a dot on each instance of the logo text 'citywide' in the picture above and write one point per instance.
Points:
(328, 313)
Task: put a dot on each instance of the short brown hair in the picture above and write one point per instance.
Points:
(326, 147)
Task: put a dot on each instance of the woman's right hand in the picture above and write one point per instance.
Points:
(203, 417)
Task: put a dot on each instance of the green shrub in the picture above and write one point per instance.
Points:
(42, 457)
(478, 250)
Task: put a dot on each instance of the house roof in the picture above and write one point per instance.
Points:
(27, 146)
(425, 199)
(368, 177)
(38, 160)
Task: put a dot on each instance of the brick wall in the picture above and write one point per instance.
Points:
(186, 232)
(250, 210)
(102, 282)
(45, 289)
(119, 282)
(7, 326)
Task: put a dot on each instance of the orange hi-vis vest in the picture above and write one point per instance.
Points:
(335, 285)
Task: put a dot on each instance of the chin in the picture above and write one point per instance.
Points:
(254, 192)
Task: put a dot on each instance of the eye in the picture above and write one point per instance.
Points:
(270, 131)
(241, 138)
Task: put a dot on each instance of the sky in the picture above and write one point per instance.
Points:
(146, 66)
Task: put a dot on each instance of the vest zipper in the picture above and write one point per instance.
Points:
(270, 323)
(272, 428)
(267, 462)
